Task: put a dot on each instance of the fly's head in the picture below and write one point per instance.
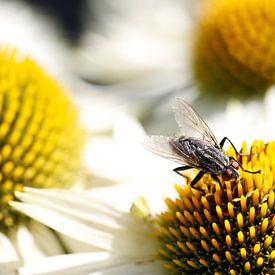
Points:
(231, 171)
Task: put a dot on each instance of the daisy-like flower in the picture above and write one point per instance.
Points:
(40, 141)
(125, 243)
(226, 229)
(233, 51)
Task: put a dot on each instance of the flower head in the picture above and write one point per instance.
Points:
(228, 228)
(234, 50)
(39, 137)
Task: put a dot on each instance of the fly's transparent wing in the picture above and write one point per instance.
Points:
(190, 122)
(160, 145)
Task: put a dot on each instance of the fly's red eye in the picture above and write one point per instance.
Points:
(227, 175)
(235, 164)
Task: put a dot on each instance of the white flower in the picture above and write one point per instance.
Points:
(32, 34)
(27, 244)
(126, 242)
(117, 242)
(133, 39)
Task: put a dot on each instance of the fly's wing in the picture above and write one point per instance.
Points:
(190, 122)
(161, 146)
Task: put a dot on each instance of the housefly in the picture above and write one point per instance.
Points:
(195, 147)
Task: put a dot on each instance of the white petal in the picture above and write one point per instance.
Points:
(89, 220)
(79, 263)
(148, 268)
(9, 261)
(66, 225)
(47, 240)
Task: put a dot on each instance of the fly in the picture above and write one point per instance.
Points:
(195, 147)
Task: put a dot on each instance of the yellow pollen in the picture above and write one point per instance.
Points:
(240, 189)
(188, 216)
(219, 212)
(191, 246)
(171, 248)
(243, 253)
(267, 242)
(228, 256)
(263, 210)
(207, 215)
(205, 246)
(196, 203)
(215, 244)
(166, 232)
(204, 263)
(233, 49)
(272, 223)
(240, 220)
(174, 232)
(192, 264)
(260, 262)
(272, 255)
(205, 203)
(252, 232)
(264, 225)
(271, 199)
(188, 204)
(182, 247)
(228, 240)
(243, 204)
(177, 262)
(216, 258)
(232, 222)
(194, 232)
(181, 218)
(185, 231)
(227, 226)
(230, 209)
(255, 197)
(247, 267)
(217, 198)
(256, 248)
(216, 228)
(198, 217)
(251, 214)
(240, 237)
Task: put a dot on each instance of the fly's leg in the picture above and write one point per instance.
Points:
(251, 172)
(222, 144)
(182, 168)
(196, 179)
(214, 177)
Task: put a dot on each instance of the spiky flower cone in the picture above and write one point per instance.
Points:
(39, 137)
(234, 49)
(227, 229)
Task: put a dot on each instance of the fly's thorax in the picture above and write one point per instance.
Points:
(212, 159)
(202, 154)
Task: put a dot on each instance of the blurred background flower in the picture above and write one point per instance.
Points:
(41, 144)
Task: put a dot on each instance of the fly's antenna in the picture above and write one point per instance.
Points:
(251, 172)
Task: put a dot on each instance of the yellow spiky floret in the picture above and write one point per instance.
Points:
(234, 51)
(229, 228)
(40, 140)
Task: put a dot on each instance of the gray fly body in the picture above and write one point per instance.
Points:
(200, 154)
(195, 146)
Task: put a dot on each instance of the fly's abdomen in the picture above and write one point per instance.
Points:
(212, 159)
(200, 154)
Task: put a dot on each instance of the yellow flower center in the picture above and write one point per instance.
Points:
(39, 137)
(228, 228)
(234, 51)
